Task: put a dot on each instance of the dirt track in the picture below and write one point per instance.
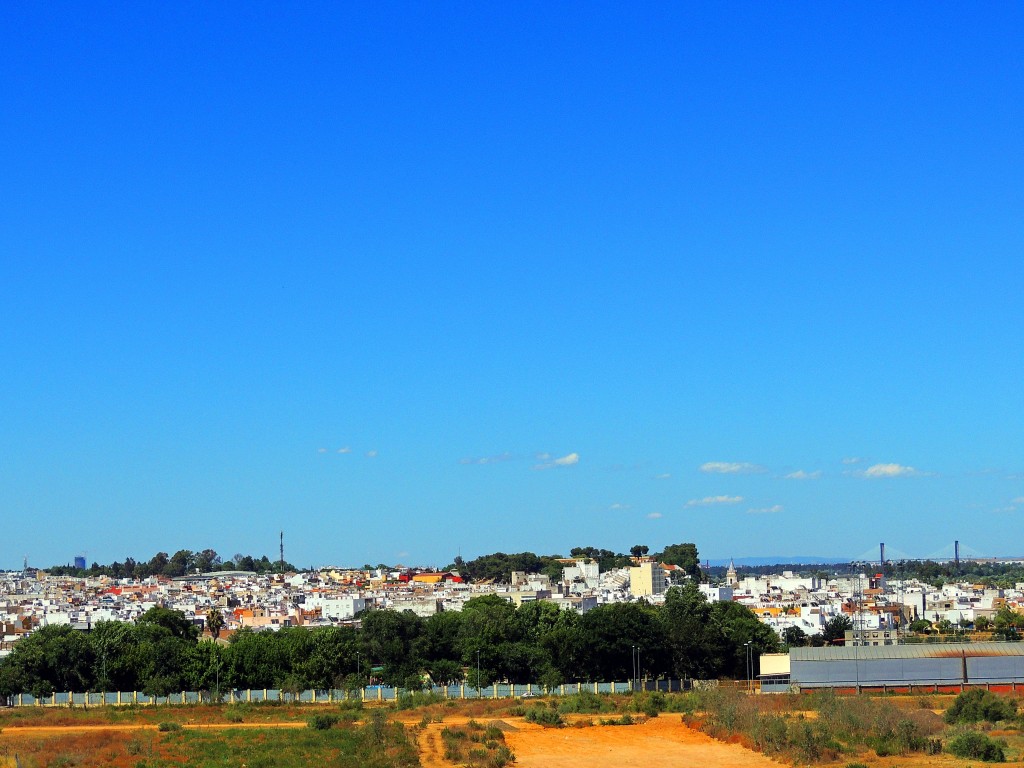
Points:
(661, 740)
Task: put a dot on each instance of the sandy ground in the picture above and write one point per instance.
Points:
(659, 741)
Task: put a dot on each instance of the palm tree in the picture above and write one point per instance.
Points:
(214, 622)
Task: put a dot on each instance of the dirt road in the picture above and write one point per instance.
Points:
(661, 740)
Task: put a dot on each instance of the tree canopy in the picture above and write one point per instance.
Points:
(537, 642)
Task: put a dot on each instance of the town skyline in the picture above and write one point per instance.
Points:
(412, 281)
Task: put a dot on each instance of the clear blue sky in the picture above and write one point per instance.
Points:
(409, 280)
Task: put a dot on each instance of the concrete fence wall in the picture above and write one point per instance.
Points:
(370, 694)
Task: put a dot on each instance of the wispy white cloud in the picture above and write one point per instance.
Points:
(765, 510)
(655, 516)
(1018, 500)
(711, 500)
(321, 450)
(543, 456)
(346, 449)
(568, 460)
(852, 460)
(663, 476)
(617, 505)
(889, 470)
(801, 475)
(482, 460)
(371, 454)
(731, 468)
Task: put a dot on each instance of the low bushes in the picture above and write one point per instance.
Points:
(978, 746)
(977, 705)
(322, 722)
(585, 703)
(842, 724)
(549, 718)
(476, 746)
(414, 699)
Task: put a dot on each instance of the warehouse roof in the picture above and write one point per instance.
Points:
(914, 651)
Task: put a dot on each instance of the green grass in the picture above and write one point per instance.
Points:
(375, 745)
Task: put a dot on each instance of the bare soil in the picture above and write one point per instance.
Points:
(661, 740)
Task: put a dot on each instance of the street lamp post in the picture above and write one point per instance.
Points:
(747, 659)
(639, 667)
(632, 670)
(479, 693)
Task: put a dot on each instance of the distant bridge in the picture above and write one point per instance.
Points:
(956, 551)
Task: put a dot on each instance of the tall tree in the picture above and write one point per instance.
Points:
(685, 556)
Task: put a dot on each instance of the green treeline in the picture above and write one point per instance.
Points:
(536, 643)
(496, 567)
(493, 567)
(182, 562)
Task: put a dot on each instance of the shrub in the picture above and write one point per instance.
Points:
(549, 718)
(169, 726)
(585, 702)
(681, 702)
(978, 746)
(417, 698)
(322, 722)
(770, 734)
(649, 702)
(626, 719)
(502, 756)
(978, 704)
(812, 742)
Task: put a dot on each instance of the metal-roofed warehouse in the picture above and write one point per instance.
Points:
(943, 665)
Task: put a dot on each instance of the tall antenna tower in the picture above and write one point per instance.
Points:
(282, 552)
(956, 557)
